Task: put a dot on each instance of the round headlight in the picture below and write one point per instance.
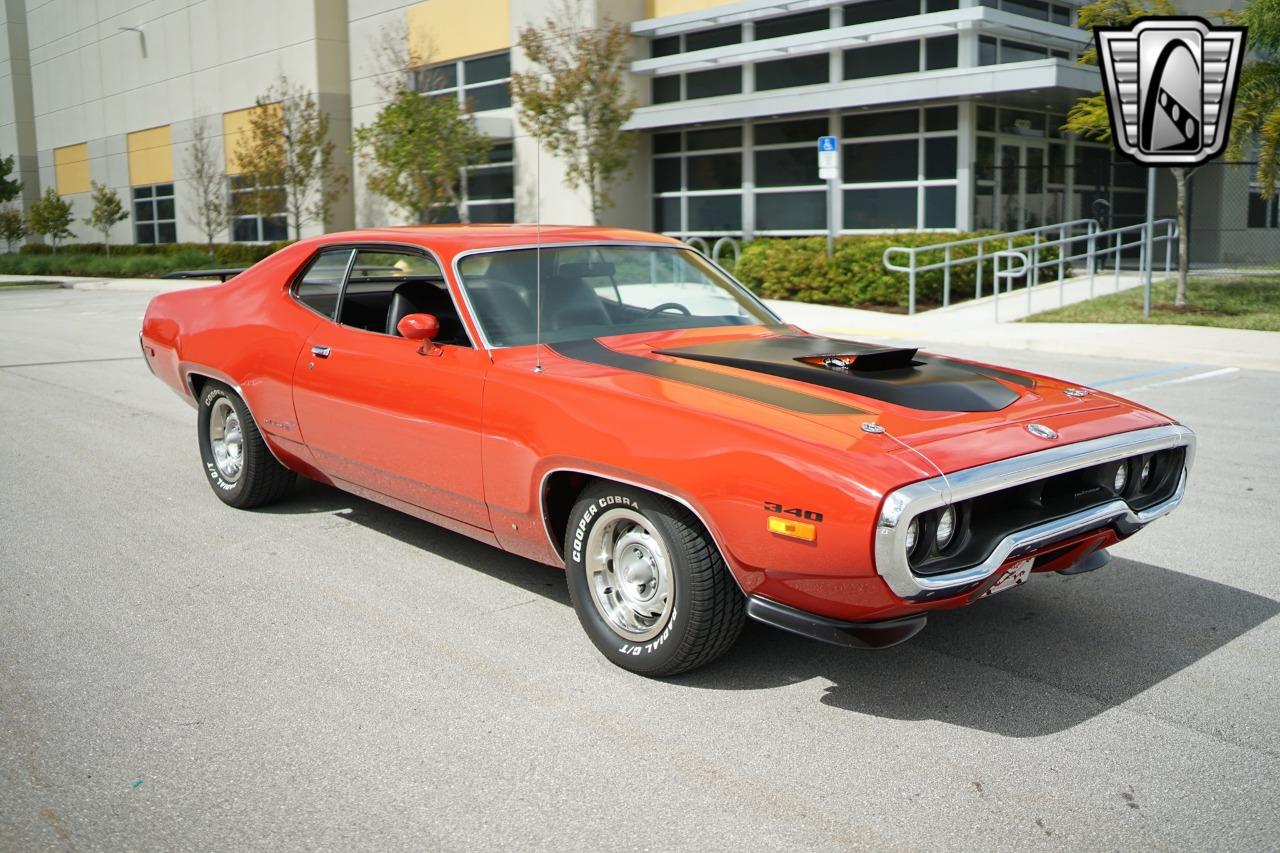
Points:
(1122, 477)
(946, 528)
(913, 533)
(1146, 472)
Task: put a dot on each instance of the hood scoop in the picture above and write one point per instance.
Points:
(900, 376)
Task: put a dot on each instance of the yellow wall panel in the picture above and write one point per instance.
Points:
(71, 169)
(235, 125)
(662, 8)
(440, 30)
(150, 156)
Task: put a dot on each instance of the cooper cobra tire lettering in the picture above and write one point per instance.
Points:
(705, 609)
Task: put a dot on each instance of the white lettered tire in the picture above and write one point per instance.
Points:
(648, 583)
(236, 459)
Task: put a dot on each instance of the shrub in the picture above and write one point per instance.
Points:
(132, 261)
(797, 268)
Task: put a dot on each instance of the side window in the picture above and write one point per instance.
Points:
(319, 286)
(387, 286)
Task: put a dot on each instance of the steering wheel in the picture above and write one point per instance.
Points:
(658, 309)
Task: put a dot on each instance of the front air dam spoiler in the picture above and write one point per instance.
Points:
(856, 635)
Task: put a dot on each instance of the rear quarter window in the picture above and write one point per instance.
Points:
(320, 283)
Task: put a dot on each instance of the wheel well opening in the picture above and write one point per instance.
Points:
(560, 493)
(196, 382)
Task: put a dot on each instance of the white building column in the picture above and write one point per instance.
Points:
(966, 153)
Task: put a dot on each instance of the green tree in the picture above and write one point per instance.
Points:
(9, 187)
(1088, 117)
(13, 227)
(209, 211)
(576, 101)
(287, 155)
(51, 216)
(107, 211)
(416, 151)
(1255, 126)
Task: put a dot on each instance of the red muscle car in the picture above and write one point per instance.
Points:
(613, 402)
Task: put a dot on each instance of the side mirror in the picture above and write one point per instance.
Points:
(421, 327)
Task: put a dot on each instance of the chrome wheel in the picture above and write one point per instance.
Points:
(629, 575)
(226, 439)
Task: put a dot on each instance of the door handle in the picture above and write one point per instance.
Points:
(320, 352)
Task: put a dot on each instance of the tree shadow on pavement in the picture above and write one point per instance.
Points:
(1037, 660)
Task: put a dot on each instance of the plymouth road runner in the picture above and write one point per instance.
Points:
(614, 403)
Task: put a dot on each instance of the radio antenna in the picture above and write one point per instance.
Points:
(537, 255)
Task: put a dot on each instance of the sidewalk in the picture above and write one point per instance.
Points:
(975, 323)
(136, 285)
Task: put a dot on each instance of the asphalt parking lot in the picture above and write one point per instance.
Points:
(330, 674)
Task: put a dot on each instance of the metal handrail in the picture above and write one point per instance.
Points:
(1067, 233)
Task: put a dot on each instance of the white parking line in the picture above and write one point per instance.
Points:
(1192, 378)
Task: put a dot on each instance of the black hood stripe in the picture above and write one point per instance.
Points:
(594, 352)
(897, 376)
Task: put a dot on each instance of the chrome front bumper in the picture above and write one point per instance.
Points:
(902, 505)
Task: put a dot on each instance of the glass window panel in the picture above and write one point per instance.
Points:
(1034, 172)
(164, 189)
(143, 211)
(501, 152)
(1126, 174)
(1061, 15)
(1022, 122)
(715, 213)
(787, 167)
(716, 81)
(880, 59)
(881, 124)
(987, 118)
(1060, 54)
(492, 212)
(987, 50)
(142, 192)
(715, 171)
(986, 154)
(443, 215)
(867, 162)
(800, 211)
(1016, 51)
(939, 207)
(666, 214)
(665, 89)
(941, 52)
(880, 208)
(667, 46)
(494, 67)
(805, 22)
(666, 143)
(495, 97)
(716, 137)
(491, 183)
(164, 208)
(990, 4)
(940, 157)
(1029, 8)
(1055, 126)
(940, 118)
(880, 10)
(666, 174)
(275, 228)
(436, 77)
(166, 232)
(801, 130)
(785, 73)
(718, 37)
(244, 229)
(941, 5)
(1057, 163)
(147, 233)
(319, 285)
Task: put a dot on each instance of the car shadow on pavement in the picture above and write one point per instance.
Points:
(312, 497)
(1034, 661)
(1037, 660)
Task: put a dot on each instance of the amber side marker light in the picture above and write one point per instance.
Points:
(794, 529)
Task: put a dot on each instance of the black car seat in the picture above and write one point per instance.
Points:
(568, 301)
(426, 297)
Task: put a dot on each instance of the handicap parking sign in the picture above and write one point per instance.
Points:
(828, 158)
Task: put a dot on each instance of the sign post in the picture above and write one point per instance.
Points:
(829, 171)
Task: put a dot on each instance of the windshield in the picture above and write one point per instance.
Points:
(594, 291)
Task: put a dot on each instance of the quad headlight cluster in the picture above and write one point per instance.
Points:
(1136, 475)
(935, 532)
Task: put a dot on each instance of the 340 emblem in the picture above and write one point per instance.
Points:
(806, 514)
